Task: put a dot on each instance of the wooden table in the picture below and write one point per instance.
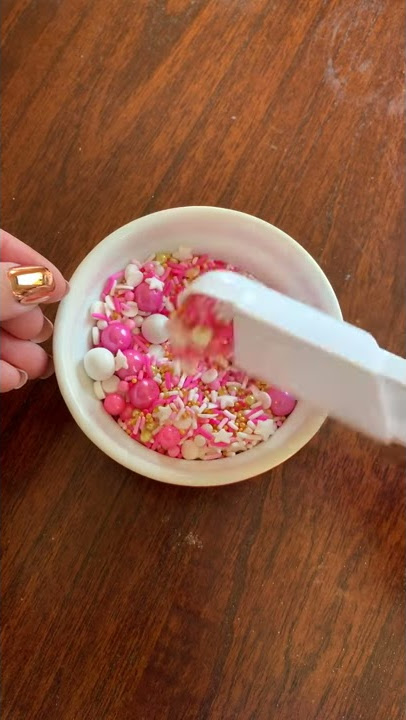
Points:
(280, 598)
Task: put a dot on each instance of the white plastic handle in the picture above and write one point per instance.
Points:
(335, 366)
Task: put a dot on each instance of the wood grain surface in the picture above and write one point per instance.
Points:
(279, 598)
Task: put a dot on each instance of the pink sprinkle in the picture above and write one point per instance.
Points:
(117, 305)
(142, 423)
(99, 316)
(205, 434)
(140, 343)
(156, 403)
(137, 425)
(254, 415)
(129, 296)
(141, 375)
(168, 381)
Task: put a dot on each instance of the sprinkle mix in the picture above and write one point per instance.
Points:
(211, 412)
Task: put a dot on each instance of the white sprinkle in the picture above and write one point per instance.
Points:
(200, 441)
(111, 384)
(209, 376)
(182, 380)
(208, 428)
(154, 283)
(133, 275)
(120, 361)
(232, 425)
(159, 269)
(256, 415)
(223, 423)
(121, 286)
(183, 253)
(265, 399)
(214, 396)
(251, 424)
(95, 335)
(207, 415)
(109, 302)
(227, 401)
(97, 307)
(190, 450)
(132, 309)
(229, 414)
(229, 454)
(102, 324)
(202, 407)
(98, 390)
(244, 382)
(158, 378)
(242, 435)
(168, 304)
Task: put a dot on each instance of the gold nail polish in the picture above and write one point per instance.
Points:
(31, 284)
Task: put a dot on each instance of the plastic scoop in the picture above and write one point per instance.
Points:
(333, 365)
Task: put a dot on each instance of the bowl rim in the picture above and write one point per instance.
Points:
(134, 462)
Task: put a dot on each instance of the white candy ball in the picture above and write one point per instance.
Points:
(190, 451)
(99, 363)
(155, 328)
(133, 275)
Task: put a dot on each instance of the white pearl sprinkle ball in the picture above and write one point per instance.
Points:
(99, 363)
(155, 328)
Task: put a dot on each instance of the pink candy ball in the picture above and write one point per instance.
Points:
(169, 436)
(282, 402)
(143, 393)
(148, 300)
(116, 336)
(129, 295)
(127, 412)
(123, 386)
(174, 452)
(114, 404)
(135, 361)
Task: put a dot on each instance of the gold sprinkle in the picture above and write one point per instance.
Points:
(145, 436)
(250, 400)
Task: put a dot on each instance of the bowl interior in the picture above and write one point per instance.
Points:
(252, 244)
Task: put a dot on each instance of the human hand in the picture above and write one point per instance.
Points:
(23, 326)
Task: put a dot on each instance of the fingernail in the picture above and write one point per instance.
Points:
(23, 379)
(45, 333)
(50, 369)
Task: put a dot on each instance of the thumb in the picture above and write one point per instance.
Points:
(15, 284)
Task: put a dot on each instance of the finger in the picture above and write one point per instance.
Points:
(32, 325)
(26, 356)
(11, 378)
(9, 305)
(14, 251)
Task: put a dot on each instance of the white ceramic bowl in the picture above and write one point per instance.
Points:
(252, 244)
